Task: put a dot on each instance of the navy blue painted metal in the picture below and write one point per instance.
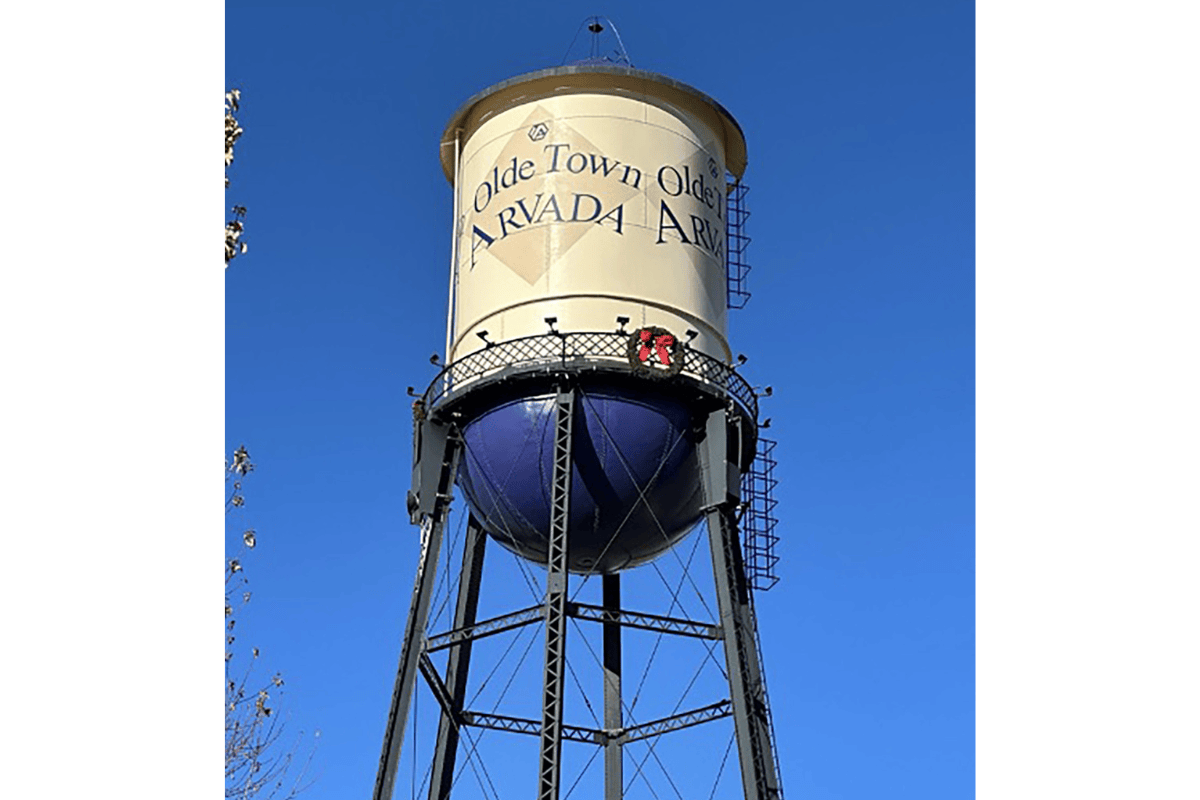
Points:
(634, 489)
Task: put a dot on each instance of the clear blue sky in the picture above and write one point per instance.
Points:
(859, 118)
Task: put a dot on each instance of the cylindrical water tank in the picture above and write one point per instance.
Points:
(585, 194)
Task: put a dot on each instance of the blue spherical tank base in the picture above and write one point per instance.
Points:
(635, 487)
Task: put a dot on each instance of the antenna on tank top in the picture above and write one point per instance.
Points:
(596, 54)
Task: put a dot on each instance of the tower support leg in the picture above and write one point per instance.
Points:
(613, 773)
(446, 749)
(443, 444)
(550, 762)
(719, 459)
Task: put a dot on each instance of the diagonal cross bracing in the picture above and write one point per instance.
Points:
(438, 687)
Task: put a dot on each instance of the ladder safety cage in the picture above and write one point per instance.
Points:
(736, 241)
(758, 518)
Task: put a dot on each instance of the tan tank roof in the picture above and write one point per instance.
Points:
(590, 78)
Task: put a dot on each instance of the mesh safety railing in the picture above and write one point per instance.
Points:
(567, 351)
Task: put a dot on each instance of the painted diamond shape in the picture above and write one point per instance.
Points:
(530, 250)
(539, 131)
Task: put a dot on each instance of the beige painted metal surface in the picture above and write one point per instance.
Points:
(589, 201)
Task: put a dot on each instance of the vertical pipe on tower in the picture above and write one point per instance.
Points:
(613, 774)
(452, 302)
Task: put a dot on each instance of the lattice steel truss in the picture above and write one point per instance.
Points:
(556, 599)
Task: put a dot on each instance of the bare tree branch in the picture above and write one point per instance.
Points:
(257, 764)
(234, 246)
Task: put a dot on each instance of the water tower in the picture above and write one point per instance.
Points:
(590, 409)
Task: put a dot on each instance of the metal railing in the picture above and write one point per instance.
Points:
(576, 351)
